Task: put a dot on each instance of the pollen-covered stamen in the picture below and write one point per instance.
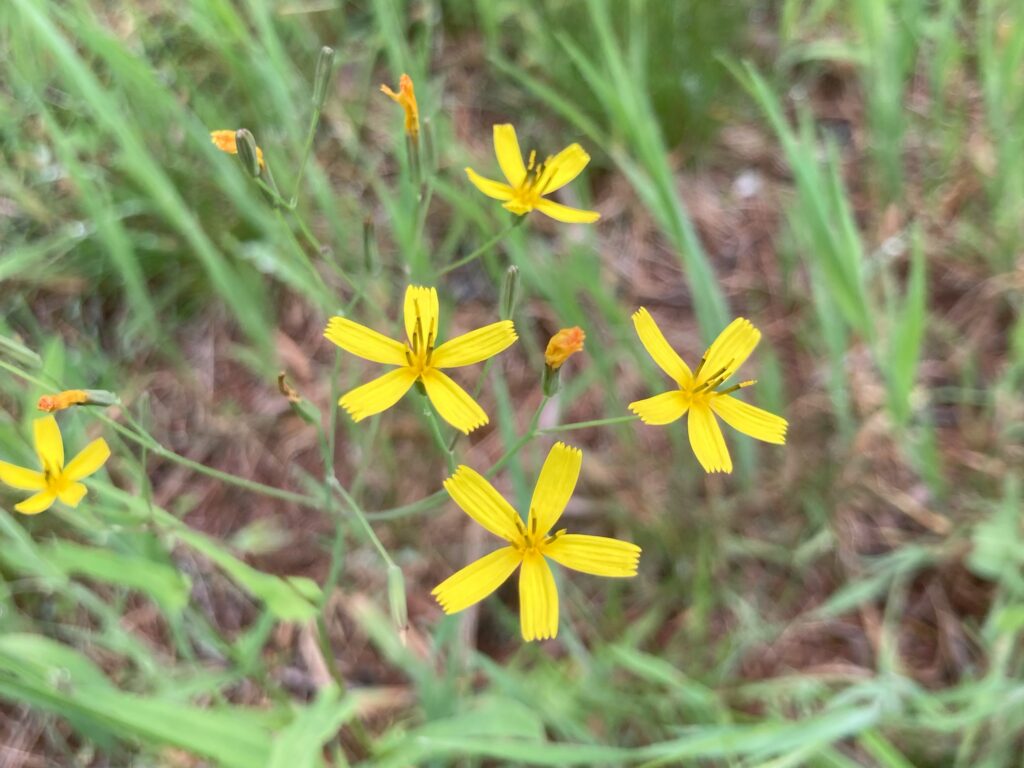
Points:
(715, 379)
(431, 339)
(696, 373)
(741, 385)
(554, 536)
(533, 159)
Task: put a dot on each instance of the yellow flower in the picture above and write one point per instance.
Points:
(406, 98)
(698, 392)
(530, 545)
(225, 141)
(419, 360)
(527, 184)
(56, 481)
(563, 345)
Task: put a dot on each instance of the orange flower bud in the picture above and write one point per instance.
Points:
(563, 345)
(62, 400)
(225, 141)
(406, 97)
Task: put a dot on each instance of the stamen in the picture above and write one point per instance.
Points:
(741, 385)
(715, 377)
(408, 355)
(703, 359)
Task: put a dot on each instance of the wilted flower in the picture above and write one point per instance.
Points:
(563, 345)
(406, 98)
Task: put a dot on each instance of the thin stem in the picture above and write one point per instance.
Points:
(584, 424)
(435, 430)
(482, 249)
(361, 518)
(306, 150)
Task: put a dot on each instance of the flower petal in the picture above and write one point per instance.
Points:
(377, 395)
(659, 349)
(707, 441)
(599, 555)
(33, 505)
(750, 420)
(365, 342)
(475, 346)
(482, 502)
(563, 168)
(49, 445)
(21, 478)
(555, 485)
(453, 402)
(728, 352)
(538, 599)
(88, 460)
(73, 494)
(490, 187)
(564, 213)
(421, 302)
(661, 409)
(476, 581)
(510, 157)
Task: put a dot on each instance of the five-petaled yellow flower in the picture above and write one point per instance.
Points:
(57, 480)
(529, 545)
(406, 99)
(419, 360)
(699, 395)
(528, 183)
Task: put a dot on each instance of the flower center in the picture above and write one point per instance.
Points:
(55, 481)
(418, 354)
(531, 540)
(538, 178)
(702, 386)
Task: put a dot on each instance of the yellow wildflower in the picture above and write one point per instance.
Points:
(62, 400)
(699, 395)
(528, 183)
(419, 360)
(57, 480)
(225, 141)
(530, 545)
(406, 98)
(563, 345)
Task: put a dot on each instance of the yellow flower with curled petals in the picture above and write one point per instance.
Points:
(56, 480)
(420, 359)
(698, 393)
(226, 141)
(406, 99)
(530, 545)
(528, 183)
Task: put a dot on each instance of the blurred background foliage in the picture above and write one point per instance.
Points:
(849, 175)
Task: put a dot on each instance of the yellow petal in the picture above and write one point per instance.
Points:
(538, 599)
(749, 419)
(661, 409)
(555, 485)
(599, 555)
(453, 402)
(482, 502)
(49, 445)
(560, 212)
(421, 302)
(510, 157)
(476, 581)
(490, 187)
(73, 494)
(377, 395)
(21, 478)
(729, 350)
(365, 342)
(707, 441)
(33, 505)
(659, 349)
(564, 167)
(88, 460)
(475, 346)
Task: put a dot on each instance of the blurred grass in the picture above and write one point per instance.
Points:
(852, 599)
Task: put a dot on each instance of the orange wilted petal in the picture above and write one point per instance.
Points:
(406, 98)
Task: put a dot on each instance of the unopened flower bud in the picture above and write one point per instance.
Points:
(227, 141)
(324, 71)
(72, 397)
(248, 153)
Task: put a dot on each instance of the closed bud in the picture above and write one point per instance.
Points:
(324, 72)
(509, 292)
(249, 154)
(300, 406)
(396, 597)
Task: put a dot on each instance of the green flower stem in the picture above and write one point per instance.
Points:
(482, 249)
(363, 521)
(435, 429)
(584, 424)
